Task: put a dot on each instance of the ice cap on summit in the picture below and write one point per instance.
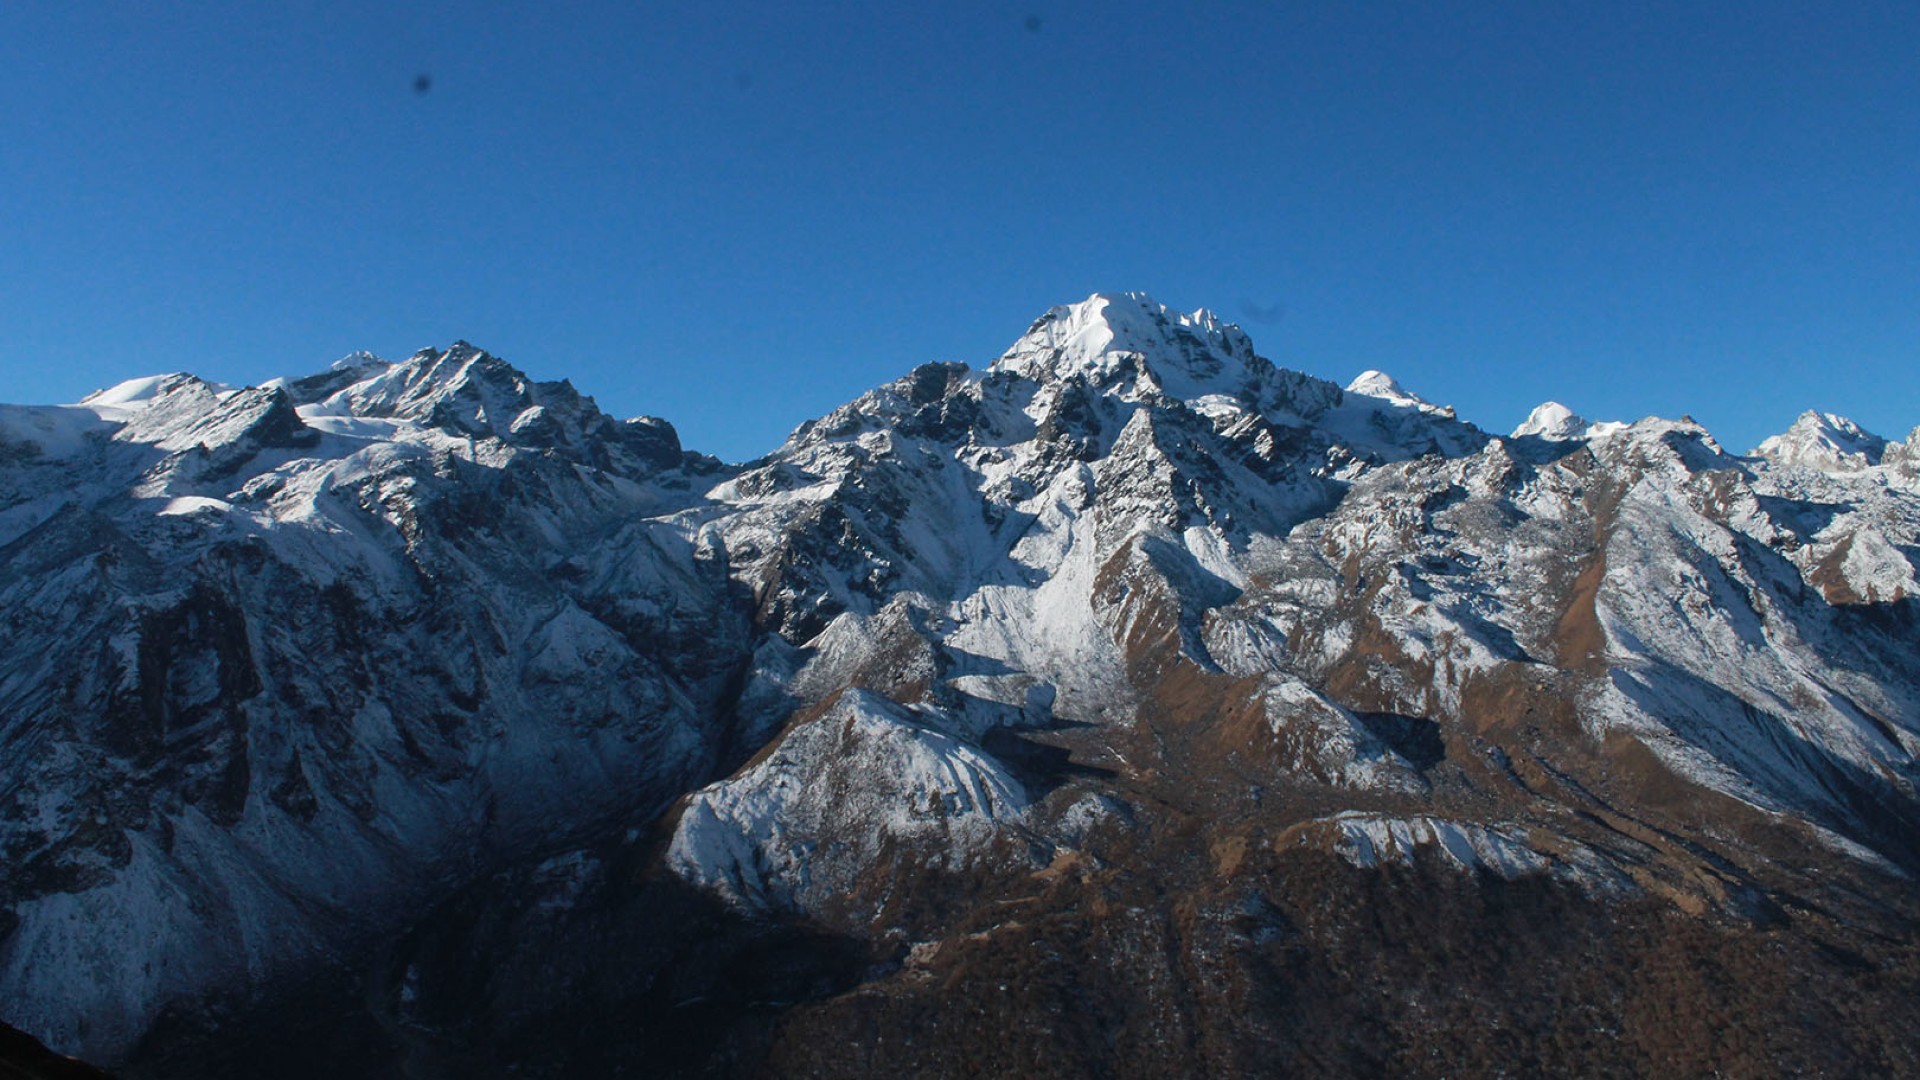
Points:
(1553, 422)
(1378, 384)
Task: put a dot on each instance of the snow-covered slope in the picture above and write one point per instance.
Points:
(290, 665)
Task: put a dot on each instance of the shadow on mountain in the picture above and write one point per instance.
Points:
(625, 972)
(959, 662)
(1803, 518)
(22, 1057)
(1894, 621)
(1041, 768)
(1881, 636)
(748, 726)
(1535, 450)
(1862, 805)
(1415, 738)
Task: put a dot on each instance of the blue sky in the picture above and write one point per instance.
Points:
(737, 216)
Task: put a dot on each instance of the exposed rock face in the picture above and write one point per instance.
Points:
(1129, 707)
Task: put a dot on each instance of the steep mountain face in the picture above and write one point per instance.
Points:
(283, 661)
(1128, 707)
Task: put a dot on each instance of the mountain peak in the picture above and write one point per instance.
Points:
(1378, 384)
(118, 401)
(1375, 383)
(416, 387)
(1189, 355)
(1824, 441)
(358, 360)
(1553, 422)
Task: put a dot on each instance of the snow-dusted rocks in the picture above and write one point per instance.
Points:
(1110, 336)
(802, 828)
(1127, 621)
(1903, 458)
(279, 670)
(1502, 850)
(1824, 442)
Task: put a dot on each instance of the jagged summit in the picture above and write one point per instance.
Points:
(1826, 442)
(1553, 422)
(1104, 336)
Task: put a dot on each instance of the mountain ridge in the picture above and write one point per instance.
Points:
(1128, 613)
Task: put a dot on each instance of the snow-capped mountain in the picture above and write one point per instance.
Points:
(1825, 442)
(1381, 385)
(1553, 422)
(283, 659)
(1086, 700)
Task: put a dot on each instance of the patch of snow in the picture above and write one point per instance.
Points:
(1369, 840)
(192, 504)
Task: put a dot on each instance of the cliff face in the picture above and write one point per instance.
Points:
(1128, 707)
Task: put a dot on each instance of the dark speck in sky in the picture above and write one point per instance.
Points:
(1265, 313)
(1033, 24)
(422, 83)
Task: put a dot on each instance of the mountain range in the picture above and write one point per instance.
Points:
(1130, 706)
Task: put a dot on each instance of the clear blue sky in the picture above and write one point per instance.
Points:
(737, 216)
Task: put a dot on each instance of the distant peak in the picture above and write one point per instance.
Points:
(122, 400)
(1824, 441)
(1379, 384)
(134, 393)
(1190, 355)
(358, 360)
(1553, 422)
(1831, 423)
